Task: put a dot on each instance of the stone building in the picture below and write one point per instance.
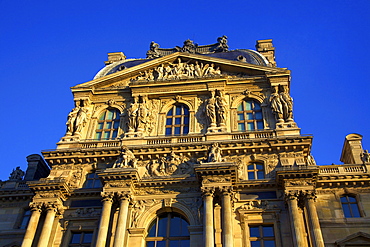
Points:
(191, 146)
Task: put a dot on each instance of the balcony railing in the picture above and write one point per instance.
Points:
(339, 169)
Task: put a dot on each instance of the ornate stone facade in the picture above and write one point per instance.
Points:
(200, 137)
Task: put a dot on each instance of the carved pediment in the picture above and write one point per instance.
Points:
(179, 66)
(356, 239)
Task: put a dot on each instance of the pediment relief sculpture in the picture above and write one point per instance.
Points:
(179, 70)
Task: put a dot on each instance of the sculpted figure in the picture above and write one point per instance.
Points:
(276, 106)
(365, 156)
(189, 46)
(142, 116)
(132, 115)
(71, 120)
(16, 174)
(153, 50)
(214, 154)
(222, 44)
(211, 110)
(287, 104)
(126, 159)
(81, 119)
(221, 108)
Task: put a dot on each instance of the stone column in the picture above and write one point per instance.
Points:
(227, 223)
(208, 227)
(32, 224)
(51, 210)
(314, 220)
(121, 229)
(104, 220)
(297, 228)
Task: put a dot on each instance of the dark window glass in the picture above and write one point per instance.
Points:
(81, 239)
(92, 181)
(249, 114)
(178, 123)
(25, 219)
(262, 236)
(108, 123)
(255, 171)
(349, 206)
(86, 203)
(168, 229)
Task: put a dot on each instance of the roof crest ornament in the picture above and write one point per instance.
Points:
(189, 47)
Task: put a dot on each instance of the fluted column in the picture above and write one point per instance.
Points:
(209, 239)
(51, 210)
(314, 220)
(32, 224)
(227, 224)
(104, 220)
(120, 236)
(298, 236)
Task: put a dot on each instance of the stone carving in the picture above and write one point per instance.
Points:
(77, 119)
(138, 115)
(153, 51)
(216, 180)
(222, 44)
(188, 46)
(179, 70)
(17, 174)
(365, 157)
(161, 191)
(298, 183)
(138, 208)
(85, 212)
(258, 204)
(214, 154)
(215, 109)
(282, 104)
(195, 205)
(173, 164)
(126, 159)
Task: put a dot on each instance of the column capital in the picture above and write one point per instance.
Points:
(53, 206)
(124, 195)
(36, 206)
(291, 195)
(107, 196)
(226, 190)
(310, 195)
(207, 191)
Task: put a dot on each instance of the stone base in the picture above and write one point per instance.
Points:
(70, 138)
(134, 134)
(216, 129)
(286, 125)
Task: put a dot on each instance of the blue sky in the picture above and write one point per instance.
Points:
(46, 47)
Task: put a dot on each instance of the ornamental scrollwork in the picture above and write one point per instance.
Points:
(172, 164)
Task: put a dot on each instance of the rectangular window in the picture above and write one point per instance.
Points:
(262, 236)
(81, 239)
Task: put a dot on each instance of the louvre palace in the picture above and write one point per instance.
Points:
(191, 146)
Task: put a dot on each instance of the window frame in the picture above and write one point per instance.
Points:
(183, 125)
(81, 244)
(255, 170)
(350, 205)
(104, 120)
(261, 237)
(24, 219)
(168, 238)
(254, 120)
(96, 183)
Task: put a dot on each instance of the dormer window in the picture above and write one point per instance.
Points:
(249, 116)
(108, 124)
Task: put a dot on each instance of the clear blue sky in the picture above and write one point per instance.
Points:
(48, 46)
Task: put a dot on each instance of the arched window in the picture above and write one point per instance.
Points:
(108, 124)
(177, 120)
(255, 171)
(350, 206)
(168, 229)
(249, 116)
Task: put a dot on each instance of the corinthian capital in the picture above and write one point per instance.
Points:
(35, 206)
(124, 195)
(107, 196)
(207, 191)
